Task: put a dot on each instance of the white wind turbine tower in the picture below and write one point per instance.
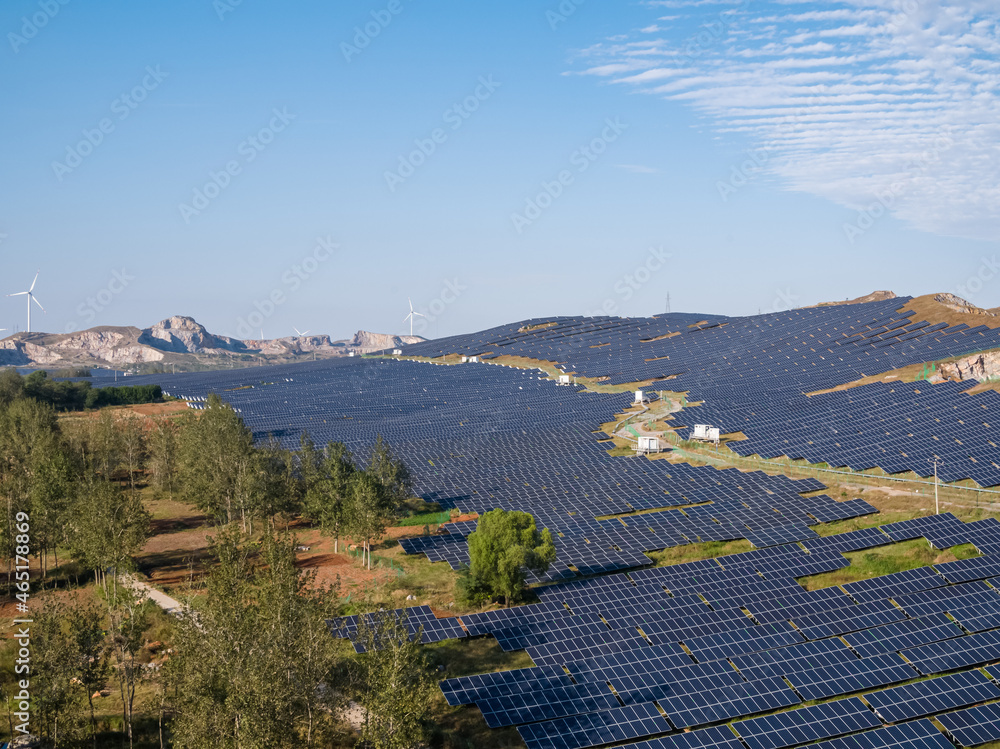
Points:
(413, 313)
(31, 298)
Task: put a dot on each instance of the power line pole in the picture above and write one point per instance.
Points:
(936, 461)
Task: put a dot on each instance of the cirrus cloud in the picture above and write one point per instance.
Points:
(852, 99)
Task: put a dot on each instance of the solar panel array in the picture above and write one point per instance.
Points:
(752, 373)
(662, 656)
(481, 438)
(654, 652)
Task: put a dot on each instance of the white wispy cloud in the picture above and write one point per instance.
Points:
(852, 99)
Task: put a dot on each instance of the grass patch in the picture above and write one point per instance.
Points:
(694, 552)
(885, 560)
(463, 727)
(868, 521)
(430, 518)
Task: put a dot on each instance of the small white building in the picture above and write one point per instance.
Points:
(647, 445)
(706, 433)
(397, 352)
(564, 380)
(474, 359)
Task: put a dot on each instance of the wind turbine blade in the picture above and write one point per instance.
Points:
(20, 293)
(411, 303)
(32, 297)
(407, 317)
(420, 314)
(34, 282)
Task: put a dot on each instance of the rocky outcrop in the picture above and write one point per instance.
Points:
(958, 304)
(984, 366)
(176, 339)
(875, 296)
(365, 342)
(184, 335)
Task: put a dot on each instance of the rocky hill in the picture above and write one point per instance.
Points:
(179, 342)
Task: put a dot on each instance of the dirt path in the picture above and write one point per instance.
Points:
(170, 605)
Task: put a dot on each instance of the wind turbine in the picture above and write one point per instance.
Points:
(413, 313)
(300, 333)
(31, 298)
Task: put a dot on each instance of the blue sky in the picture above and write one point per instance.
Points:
(259, 164)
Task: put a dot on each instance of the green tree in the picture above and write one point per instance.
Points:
(254, 667)
(11, 386)
(369, 509)
(217, 464)
(86, 625)
(106, 446)
(29, 440)
(109, 528)
(393, 681)
(504, 545)
(164, 447)
(279, 490)
(391, 472)
(56, 701)
(50, 490)
(327, 477)
(128, 618)
(134, 445)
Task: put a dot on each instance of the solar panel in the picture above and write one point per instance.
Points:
(738, 642)
(543, 704)
(786, 660)
(960, 652)
(908, 581)
(717, 737)
(689, 710)
(807, 724)
(932, 696)
(595, 729)
(919, 734)
(963, 570)
(978, 617)
(904, 634)
(973, 726)
(850, 619)
(850, 676)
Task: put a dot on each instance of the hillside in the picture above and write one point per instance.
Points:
(180, 343)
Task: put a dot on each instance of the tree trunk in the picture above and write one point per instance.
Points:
(93, 720)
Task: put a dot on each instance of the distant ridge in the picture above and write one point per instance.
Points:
(180, 343)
